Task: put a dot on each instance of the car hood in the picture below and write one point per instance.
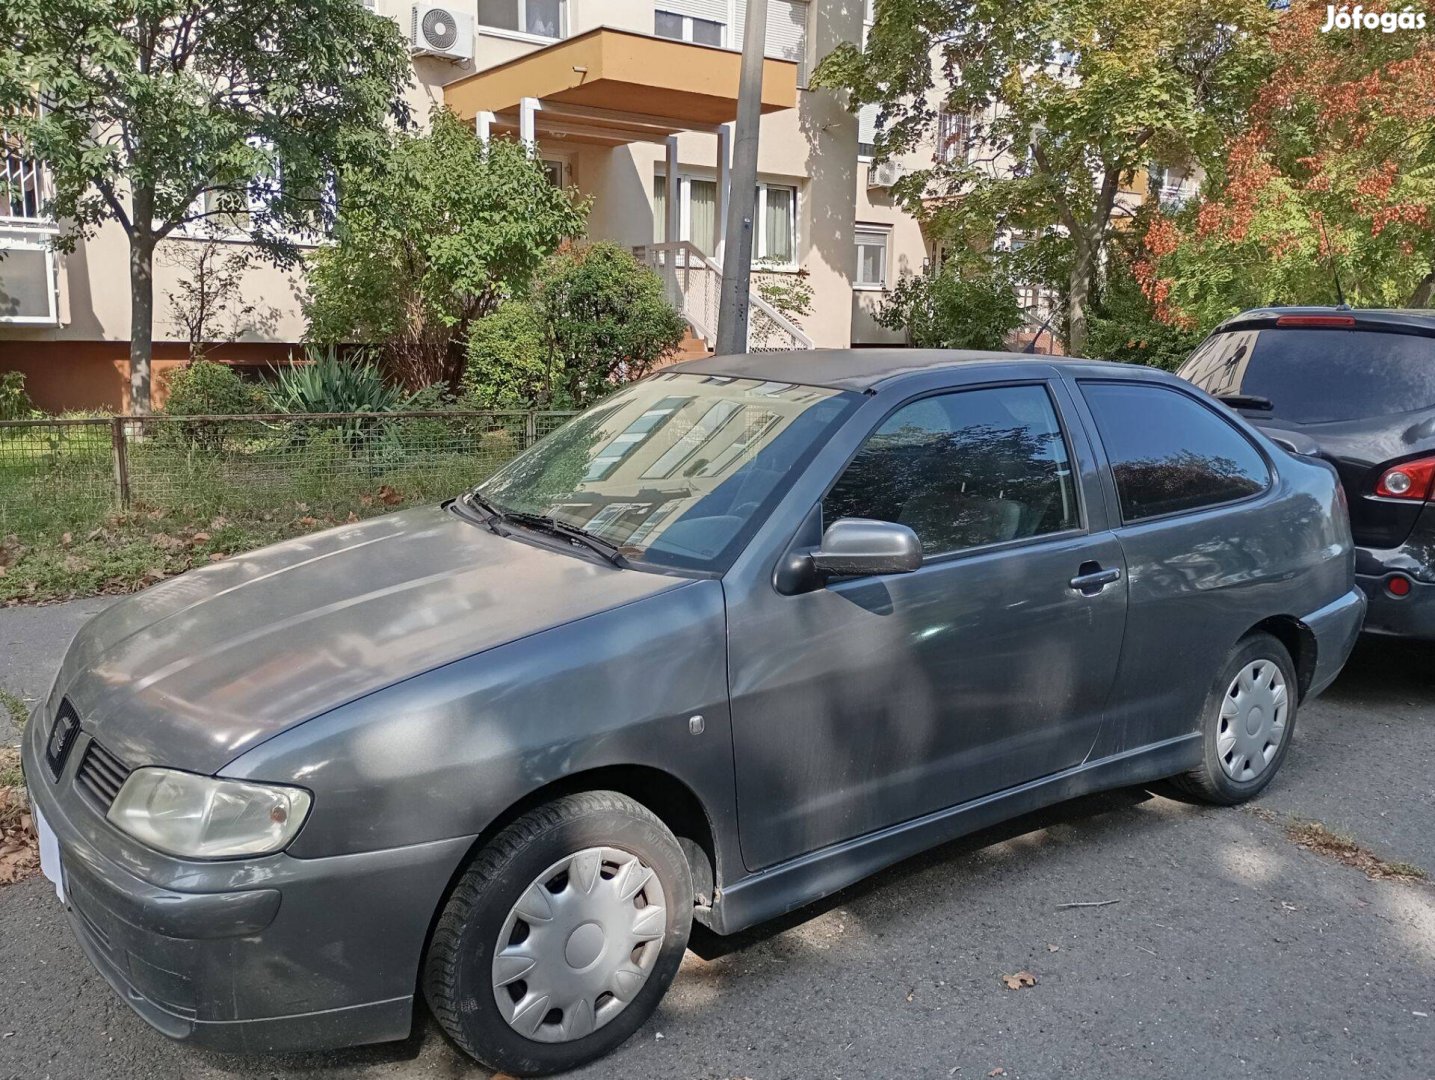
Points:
(199, 669)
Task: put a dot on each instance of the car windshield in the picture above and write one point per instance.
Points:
(677, 470)
(1313, 376)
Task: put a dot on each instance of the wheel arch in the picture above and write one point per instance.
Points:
(672, 800)
(1300, 642)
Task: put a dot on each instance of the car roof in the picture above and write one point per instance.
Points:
(869, 370)
(1400, 320)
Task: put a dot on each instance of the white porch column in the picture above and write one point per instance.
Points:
(724, 184)
(483, 125)
(527, 123)
(672, 218)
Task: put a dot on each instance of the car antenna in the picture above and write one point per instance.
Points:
(1334, 267)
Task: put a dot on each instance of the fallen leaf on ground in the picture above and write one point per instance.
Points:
(1020, 979)
(199, 538)
(308, 522)
(389, 497)
(998, 1071)
(66, 539)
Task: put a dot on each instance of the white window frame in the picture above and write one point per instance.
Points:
(759, 237)
(872, 232)
(523, 35)
(688, 28)
(34, 239)
(759, 233)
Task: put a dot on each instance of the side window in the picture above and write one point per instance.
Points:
(963, 470)
(1171, 453)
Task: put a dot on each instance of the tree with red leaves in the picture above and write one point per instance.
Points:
(1332, 173)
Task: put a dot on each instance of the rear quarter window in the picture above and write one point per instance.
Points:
(1169, 453)
(1318, 376)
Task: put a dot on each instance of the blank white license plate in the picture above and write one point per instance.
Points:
(49, 852)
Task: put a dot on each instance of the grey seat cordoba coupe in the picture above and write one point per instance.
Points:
(743, 633)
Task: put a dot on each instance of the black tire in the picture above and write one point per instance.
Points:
(458, 981)
(1209, 781)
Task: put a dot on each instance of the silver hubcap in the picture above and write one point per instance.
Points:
(1253, 720)
(579, 944)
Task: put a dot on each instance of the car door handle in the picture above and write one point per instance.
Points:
(1093, 581)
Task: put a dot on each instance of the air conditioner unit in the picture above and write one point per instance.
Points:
(441, 31)
(883, 174)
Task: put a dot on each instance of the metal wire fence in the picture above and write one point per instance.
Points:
(61, 469)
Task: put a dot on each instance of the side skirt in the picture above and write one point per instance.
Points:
(789, 885)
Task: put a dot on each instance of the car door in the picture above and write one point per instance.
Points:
(866, 702)
(1202, 539)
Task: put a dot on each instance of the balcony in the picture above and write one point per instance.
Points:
(611, 87)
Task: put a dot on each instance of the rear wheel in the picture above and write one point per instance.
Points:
(560, 939)
(1247, 723)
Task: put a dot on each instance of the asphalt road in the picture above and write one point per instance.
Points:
(1231, 952)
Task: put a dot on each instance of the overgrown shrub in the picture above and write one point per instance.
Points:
(15, 403)
(508, 360)
(204, 388)
(952, 309)
(1124, 325)
(596, 318)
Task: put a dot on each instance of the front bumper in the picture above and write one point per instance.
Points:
(1335, 628)
(270, 954)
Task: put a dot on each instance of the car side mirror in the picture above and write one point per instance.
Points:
(861, 546)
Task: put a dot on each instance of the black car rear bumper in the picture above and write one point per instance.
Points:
(1411, 615)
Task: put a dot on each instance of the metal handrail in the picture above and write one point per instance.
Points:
(651, 255)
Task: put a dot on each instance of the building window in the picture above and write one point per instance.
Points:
(697, 212)
(671, 24)
(872, 258)
(776, 239)
(954, 131)
(541, 18)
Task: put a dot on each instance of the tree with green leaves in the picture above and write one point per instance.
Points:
(1330, 179)
(433, 241)
(1060, 104)
(158, 114)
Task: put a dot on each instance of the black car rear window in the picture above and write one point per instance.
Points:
(1318, 376)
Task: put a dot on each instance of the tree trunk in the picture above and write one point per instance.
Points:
(141, 315)
(1424, 292)
(1083, 267)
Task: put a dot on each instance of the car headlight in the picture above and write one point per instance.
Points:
(204, 817)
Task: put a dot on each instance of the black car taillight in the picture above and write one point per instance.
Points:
(62, 737)
(1413, 480)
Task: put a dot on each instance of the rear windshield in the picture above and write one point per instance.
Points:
(1318, 376)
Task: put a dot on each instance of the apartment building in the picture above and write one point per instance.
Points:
(631, 101)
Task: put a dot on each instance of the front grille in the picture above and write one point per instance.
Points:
(62, 737)
(101, 774)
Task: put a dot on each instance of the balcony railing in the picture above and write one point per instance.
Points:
(24, 185)
(694, 286)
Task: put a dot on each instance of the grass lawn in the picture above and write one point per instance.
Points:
(201, 496)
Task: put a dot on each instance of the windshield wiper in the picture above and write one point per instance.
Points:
(1247, 401)
(571, 533)
(492, 513)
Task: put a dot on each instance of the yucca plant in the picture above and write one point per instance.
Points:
(329, 383)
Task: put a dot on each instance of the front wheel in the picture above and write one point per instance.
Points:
(1247, 723)
(562, 936)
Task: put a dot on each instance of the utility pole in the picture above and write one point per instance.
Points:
(742, 205)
